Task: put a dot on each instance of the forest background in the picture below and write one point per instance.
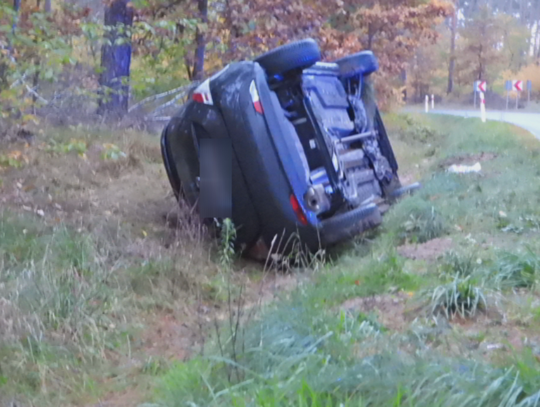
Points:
(80, 60)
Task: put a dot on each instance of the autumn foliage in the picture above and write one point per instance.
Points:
(393, 29)
(169, 37)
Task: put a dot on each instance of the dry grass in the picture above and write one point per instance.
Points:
(102, 272)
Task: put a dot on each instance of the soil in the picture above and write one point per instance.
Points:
(428, 251)
(389, 309)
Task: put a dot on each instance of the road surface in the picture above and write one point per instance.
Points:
(528, 121)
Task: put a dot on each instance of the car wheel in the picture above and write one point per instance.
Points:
(362, 63)
(295, 55)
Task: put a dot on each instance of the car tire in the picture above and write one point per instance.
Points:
(361, 63)
(295, 55)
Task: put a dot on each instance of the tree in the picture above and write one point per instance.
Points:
(200, 40)
(392, 29)
(116, 58)
(452, 62)
(516, 40)
(482, 38)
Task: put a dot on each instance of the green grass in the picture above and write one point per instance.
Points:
(298, 356)
(517, 270)
(74, 299)
(306, 351)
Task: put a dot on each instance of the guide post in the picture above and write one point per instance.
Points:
(482, 107)
(518, 87)
(508, 87)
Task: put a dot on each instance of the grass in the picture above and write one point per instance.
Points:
(308, 351)
(102, 299)
(82, 277)
(460, 297)
(299, 358)
(517, 270)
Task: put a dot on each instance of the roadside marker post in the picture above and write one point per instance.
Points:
(518, 87)
(432, 101)
(479, 86)
(529, 88)
(482, 107)
(427, 104)
(508, 87)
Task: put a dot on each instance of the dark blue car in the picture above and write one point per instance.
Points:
(285, 145)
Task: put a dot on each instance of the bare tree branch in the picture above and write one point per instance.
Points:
(159, 118)
(169, 103)
(161, 96)
(37, 95)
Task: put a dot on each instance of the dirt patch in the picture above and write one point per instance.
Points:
(428, 251)
(469, 159)
(389, 308)
(172, 337)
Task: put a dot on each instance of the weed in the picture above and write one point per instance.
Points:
(460, 264)
(227, 241)
(415, 220)
(418, 132)
(154, 366)
(517, 269)
(112, 152)
(14, 159)
(73, 145)
(459, 297)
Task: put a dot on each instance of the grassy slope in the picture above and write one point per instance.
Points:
(399, 318)
(103, 279)
(100, 291)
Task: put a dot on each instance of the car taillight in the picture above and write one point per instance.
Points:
(202, 93)
(255, 98)
(298, 210)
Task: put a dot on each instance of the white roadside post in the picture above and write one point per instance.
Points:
(427, 104)
(482, 107)
(518, 87)
(508, 87)
(432, 101)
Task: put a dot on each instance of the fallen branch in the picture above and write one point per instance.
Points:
(169, 103)
(37, 95)
(159, 118)
(18, 81)
(149, 99)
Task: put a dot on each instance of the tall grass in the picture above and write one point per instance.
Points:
(71, 300)
(517, 270)
(293, 357)
(304, 353)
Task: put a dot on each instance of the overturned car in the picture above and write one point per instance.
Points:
(285, 144)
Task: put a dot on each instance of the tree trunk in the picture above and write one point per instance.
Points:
(537, 51)
(452, 63)
(370, 37)
(200, 40)
(16, 8)
(37, 62)
(116, 58)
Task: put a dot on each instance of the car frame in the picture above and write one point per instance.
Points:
(273, 195)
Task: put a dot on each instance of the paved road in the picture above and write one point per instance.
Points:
(528, 121)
